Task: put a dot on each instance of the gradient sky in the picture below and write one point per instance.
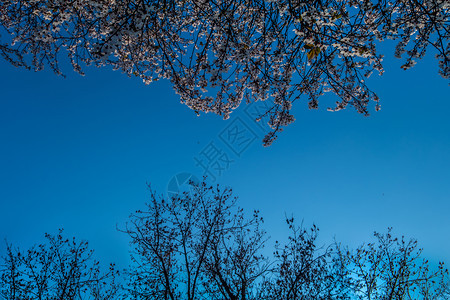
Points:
(77, 153)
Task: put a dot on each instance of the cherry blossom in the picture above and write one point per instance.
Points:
(218, 54)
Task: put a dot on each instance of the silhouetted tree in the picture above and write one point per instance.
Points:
(305, 271)
(392, 268)
(59, 269)
(196, 245)
(199, 245)
(219, 53)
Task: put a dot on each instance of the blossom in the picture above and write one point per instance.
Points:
(218, 54)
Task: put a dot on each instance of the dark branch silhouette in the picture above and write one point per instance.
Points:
(200, 246)
(220, 53)
(59, 269)
(196, 246)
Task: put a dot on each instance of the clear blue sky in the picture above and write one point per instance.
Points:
(76, 153)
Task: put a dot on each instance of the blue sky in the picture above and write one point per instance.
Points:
(77, 153)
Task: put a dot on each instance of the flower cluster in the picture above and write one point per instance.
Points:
(218, 54)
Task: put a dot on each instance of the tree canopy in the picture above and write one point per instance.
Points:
(58, 269)
(201, 245)
(218, 54)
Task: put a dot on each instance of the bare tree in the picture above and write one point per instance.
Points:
(303, 270)
(392, 268)
(199, 245)
(60, 269)
(220, 53)
(195, 246)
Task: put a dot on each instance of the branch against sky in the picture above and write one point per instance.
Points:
(220, 53)
(304, 270)
(195, 246)
(58, 269)
(200, 246)
(393, 268)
